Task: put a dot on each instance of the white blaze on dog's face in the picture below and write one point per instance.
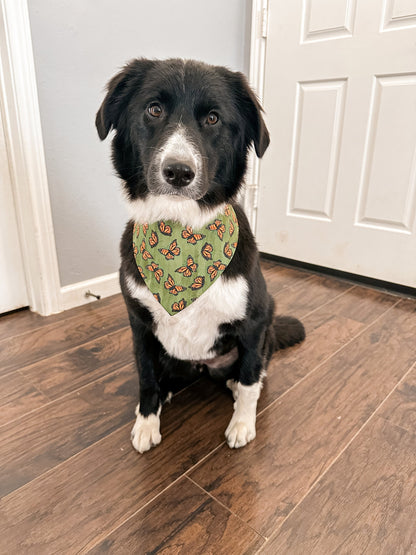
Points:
(176, 168)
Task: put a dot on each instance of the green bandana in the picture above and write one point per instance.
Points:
(179, 263)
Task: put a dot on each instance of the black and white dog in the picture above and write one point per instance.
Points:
(182, 133)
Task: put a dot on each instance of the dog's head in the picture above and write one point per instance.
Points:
(182, 128)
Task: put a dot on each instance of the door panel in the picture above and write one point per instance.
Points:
(314, 164)
(338, 182)
(389, 137)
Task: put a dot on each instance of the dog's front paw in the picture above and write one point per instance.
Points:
(145, 433)
(240, 432)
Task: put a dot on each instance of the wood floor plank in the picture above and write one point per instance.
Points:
(183, 519)
(56, 376)
(364, 504)
(400, 408)
(267, 264)
(96, 490)
(300, 435)
(18, 396)
(360, 304)
(34, 444)
(22, 321)
(30, 347)
(279, 278)
(327, 329)
(316, 291)
(78, 477)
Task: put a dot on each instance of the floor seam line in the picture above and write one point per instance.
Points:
(225, 506)
(30, 382)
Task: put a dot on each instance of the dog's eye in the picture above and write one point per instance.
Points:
(155, 110)
(212, 118)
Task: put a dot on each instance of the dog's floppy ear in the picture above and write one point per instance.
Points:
(119, 89)
(251, 110)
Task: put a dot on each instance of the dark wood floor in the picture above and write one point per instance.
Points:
(332, 470)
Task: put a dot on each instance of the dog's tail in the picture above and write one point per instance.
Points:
(287, 332)
(284, 331)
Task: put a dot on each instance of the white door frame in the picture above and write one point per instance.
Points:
(259, 20)
(24, 140)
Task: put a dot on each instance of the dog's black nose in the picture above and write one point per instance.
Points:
(177, 174)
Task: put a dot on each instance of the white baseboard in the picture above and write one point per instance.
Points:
(74, 295)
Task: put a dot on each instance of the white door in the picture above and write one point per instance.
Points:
(338, 184)
(13, 292)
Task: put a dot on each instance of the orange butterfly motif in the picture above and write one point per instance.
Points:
(145, 227)
(157, 297)
(234, 244)
(190, 267)
(153, 239)
(172, 287)
(198, 283)
(172, 251)
(227, 210)
(206, 251)
(135, 250)
(217, 226)
(141, 272)
(190, 236)
(145, 254)
(180, 305)
(228, 251)
(158, 272)
(231, 229)
(165, 228)
(136, 229)
(217, 267)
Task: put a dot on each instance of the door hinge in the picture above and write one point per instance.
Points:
(264, 21)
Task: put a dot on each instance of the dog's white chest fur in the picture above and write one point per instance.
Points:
(191, 334)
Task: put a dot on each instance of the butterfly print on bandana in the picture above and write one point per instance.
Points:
(228, 250)
(165, 228)
(217, 267)
(190, 267)
(172, 287)
(172, 251)
(180, 305)
(217, 226)
(206, 251)
(153, 239)
(157, 272)
(190, 236)
(145, 254)
(180, 262)
(198, 283)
